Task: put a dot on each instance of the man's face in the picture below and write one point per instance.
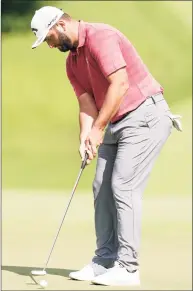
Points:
(58, 38)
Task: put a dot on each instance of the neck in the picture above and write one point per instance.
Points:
(74, 31)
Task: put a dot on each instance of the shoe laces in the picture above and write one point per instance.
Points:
(118, 264)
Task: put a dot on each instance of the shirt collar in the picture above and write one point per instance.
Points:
(81, 33)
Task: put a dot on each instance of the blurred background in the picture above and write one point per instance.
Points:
(40, 159)
(40, 111)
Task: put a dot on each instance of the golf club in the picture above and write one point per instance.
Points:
(43, 272)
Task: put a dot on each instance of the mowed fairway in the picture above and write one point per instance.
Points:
(31, 219)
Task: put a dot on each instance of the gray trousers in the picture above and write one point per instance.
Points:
(125, 160)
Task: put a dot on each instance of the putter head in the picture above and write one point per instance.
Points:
(38, 272)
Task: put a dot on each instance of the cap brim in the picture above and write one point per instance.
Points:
(39, 40)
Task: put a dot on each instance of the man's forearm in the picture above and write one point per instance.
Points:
(87, 116)
(86, 122)
(111, 104)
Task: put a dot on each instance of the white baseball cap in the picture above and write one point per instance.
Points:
(43, 20)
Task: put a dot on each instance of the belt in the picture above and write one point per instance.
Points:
(149, 100)
(154, 98)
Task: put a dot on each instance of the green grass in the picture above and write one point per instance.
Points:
(30, 221)
(40, 112)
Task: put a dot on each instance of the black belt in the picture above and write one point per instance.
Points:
(124, 115)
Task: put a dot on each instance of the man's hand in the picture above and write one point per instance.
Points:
(93, 140)
(82, 150)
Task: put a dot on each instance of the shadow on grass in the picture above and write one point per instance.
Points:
(26, 271)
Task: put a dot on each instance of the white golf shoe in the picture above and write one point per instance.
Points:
(118, 276)
(88, 273)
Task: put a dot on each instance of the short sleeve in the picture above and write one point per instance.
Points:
(104, 46)
(74, 82)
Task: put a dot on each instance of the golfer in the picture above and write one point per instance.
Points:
(124, 120)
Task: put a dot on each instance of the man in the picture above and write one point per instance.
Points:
(123, 116)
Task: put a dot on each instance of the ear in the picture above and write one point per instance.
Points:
(61, 23)
(60, 29)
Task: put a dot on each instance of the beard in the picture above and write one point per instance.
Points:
(65, 43)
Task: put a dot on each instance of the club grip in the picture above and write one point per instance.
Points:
(84, 162)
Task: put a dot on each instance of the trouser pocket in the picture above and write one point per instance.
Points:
(156, 109)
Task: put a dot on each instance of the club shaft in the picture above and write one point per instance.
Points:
(72, 194)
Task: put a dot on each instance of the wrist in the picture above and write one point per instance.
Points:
(82, 140)
(99, 125)
(83, 136)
